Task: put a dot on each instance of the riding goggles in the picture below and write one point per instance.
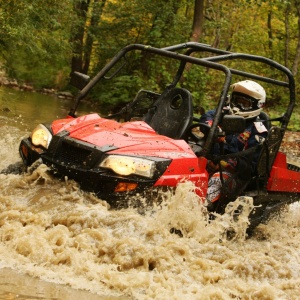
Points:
(243, 102)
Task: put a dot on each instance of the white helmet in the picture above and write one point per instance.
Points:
(247, 99)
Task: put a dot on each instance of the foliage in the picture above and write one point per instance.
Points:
(40, 39)
(113, 96)
(34, 35)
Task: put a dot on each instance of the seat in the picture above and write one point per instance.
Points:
(172, 113)
(143, 101)
(137, 108)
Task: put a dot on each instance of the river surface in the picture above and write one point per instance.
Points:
(58, 242)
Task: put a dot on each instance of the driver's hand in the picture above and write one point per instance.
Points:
(221, 139)
(212, 167)
(226, 110)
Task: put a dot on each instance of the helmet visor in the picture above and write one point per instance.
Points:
(243, 102)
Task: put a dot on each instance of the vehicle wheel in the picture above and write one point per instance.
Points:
(293, 167)
(16, 168)
(262, 214)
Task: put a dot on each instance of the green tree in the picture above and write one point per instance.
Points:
(41, 41)
(34, 35)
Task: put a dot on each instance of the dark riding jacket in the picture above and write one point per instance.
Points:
(255, 132)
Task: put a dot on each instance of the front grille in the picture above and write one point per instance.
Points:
(64, 150)
(74, 154)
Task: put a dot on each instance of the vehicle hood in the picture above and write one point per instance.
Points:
(130, 138)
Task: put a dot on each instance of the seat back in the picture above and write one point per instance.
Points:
(172, 113)
(269, 152)
(141, 104)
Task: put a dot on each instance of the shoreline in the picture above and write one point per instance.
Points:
(14, 84)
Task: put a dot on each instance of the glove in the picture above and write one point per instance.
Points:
(229, 165)
(212, 167)
(224, 164)
(221, 138)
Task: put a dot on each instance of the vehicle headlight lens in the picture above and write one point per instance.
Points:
(126, 165)
(41, 136)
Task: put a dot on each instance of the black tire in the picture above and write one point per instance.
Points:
(293, 167)
(16, 168)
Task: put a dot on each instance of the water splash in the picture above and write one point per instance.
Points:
(52, 230)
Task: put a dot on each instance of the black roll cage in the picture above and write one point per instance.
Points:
(214, 62)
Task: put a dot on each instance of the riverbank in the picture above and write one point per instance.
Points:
(14, 84)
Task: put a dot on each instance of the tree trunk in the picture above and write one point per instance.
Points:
(270, 33)
(287, 36)
(77, 35)
(198, 20)
(96, 14)
(297, 56)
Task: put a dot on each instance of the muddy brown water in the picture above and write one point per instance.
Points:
(58, 242)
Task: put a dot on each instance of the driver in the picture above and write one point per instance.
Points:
(230, 176)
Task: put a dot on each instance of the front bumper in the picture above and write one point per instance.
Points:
(28, 152)
(79, 161)
(102, 183)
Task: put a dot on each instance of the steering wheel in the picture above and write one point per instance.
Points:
(198, 136)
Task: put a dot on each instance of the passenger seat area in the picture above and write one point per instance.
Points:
(172, 113)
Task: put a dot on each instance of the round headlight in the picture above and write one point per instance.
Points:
(41, 136)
